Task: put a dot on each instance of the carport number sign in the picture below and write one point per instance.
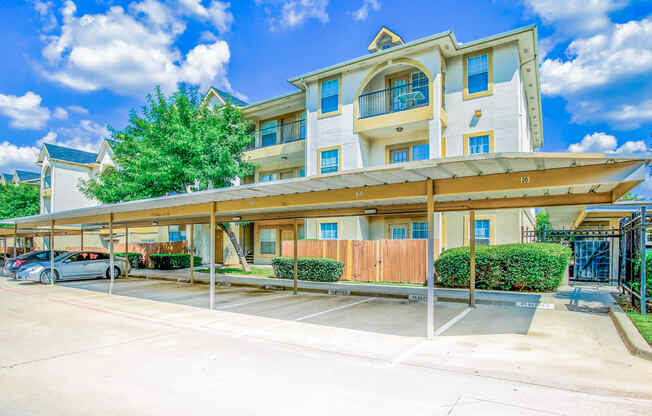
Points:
(525, 179)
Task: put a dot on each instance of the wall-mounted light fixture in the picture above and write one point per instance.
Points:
(236, 218)
(370, 211)
(399, 129)
(154, 222)
(478, 113)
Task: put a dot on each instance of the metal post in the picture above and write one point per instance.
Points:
(81, 238)
(52, 253)
(212, 258)
(15, 238)
(643, 261)
(127, 264)
(111, 264)
(296, 254)
(472, 259)
(192, 253)
(430, 262)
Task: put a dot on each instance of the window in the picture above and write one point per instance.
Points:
(443, 91)
(482, 232)
(47, 178)
(399, 155)
(328, 231)
(268, 133)
(287, 174)
(398, 231)
(268, 177)
(302, 172)
(478, 75)
(329, 160)
(176, 233)
(479, 144)
(421, 151)
(268, 241)
(419, 230)
(330, 96)
(420, 85)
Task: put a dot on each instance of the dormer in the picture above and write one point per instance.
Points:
(218, 97)
(385, 39)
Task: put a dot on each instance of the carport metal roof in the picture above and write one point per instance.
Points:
(490, 181)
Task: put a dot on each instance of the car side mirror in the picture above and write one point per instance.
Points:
(66, 261)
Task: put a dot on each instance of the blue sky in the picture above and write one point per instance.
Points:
(70, 68)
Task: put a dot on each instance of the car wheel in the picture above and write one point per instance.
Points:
(116, 273)
(45, 277)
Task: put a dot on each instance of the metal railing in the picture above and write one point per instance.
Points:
(392, 100)
(279, 134)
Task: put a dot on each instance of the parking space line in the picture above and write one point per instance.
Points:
(407, 353)
(260, 299)
(452, 322)
(333, 309)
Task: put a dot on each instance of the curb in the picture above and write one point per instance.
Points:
(634, 341)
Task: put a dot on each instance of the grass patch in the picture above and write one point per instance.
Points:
(643, 323)
(253, 271)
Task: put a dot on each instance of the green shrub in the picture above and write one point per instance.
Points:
(535, 267)
(635, 284)
(172, 261)
(315, 269)
(136, 260)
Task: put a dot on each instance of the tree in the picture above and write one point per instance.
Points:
(176, 145)
(19, 201)
(543, 224)
(631, 196)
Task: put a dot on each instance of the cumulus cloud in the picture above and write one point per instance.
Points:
(130, 51)
(45, 9)
(77, 109)
(217, 12)
(363, 12)
(24, 112)
(17, 157)
(60, 113)
(293, 13)
(87, 135)
(600, 142)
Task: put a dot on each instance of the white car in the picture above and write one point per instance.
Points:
(74, 265)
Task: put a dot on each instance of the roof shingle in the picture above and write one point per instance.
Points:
(70, 155)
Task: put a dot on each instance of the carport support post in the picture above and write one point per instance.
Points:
(15, 238)
(81, 238)
(127, 251)
(472, 259)
(643, 265)
(430, 258)
(296, 252)
(192, 253)
(52, 252)
(111, 253)
(212, 259)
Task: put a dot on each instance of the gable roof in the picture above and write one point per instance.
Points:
(24, 175)
(67, 154)
(224, 97)
(385, 32)
(7, 177)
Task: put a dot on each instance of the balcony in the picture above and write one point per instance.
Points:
(392, 106)
(281, 145)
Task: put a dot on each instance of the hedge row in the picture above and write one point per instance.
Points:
(172, 261)
(636, 283)
(136, 260)
(315, 269)
(535, 267)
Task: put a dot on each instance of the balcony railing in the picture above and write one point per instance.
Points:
(279, 134)
(392, 100)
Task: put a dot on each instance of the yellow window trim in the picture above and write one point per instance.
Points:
(326, 149)
(328, 221)
(407, 221)
(339, 96)
(388, 149)
(257, 229)
(296, 171)
(443, 146)
(489, 133)
(490, 86)
(492, 228)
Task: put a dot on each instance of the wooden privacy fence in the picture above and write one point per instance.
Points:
(397, 261)
(146, 249)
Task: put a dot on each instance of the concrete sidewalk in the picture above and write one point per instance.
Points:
(579, 298)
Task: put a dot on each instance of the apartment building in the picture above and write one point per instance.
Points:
(402, 101)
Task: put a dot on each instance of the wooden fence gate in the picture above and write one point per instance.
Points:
(397, 261)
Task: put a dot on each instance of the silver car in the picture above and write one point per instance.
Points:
(74, 265)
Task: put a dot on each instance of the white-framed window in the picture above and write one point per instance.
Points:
(47, 178)
(483, 232)
(419, 230)
(409, 152)
(421, 151)
(176, 233)
(479, 144)
(399, 155)
(398, 231)
(328, 231)
(268, 241)
(330, 92)
(477, 73)
(268, 132)
(330, 161)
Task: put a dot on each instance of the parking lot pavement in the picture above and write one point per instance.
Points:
(68, 351)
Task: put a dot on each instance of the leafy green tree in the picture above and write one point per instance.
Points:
(543, 224)
(19, 201)
(176, 145)
(631, 196)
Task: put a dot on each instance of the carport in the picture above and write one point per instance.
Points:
(467, 183)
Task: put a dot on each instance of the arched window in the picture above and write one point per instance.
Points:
(47, 178)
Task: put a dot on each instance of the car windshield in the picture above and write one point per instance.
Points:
(60, 256)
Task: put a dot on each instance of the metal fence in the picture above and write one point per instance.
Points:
(279, 134)
(633, 265)
(391, 100)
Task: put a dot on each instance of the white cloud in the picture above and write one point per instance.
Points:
(77, 109)
(622, 51)
(363, 12)
(129, 52)
(17, 157)
(46, 13)
(208, 36)
(216, 12)
(599, 142)
(293, 13)
(88, 136)
(60, 113)
(24, 112)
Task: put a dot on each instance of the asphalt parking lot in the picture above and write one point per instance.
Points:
(154, 348)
